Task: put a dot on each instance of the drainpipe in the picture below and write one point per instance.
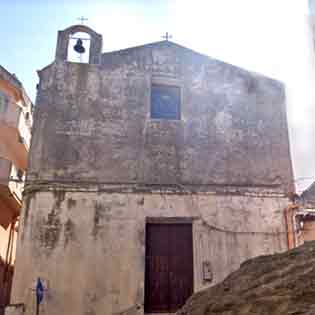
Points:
(7, 262)
(290, 226)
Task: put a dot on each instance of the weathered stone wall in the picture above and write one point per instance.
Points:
(100, 168)
(93, 122)
(89, 246)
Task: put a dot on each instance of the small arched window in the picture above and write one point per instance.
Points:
(4, 102)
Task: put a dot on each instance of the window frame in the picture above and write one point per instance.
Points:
(167, 83)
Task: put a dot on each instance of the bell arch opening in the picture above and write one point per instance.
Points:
(89, 40)
(79, 47)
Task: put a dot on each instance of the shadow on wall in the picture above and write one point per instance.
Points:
(6, 276)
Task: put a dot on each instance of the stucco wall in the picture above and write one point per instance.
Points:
(89, 246)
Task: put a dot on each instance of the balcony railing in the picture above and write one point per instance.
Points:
(12, 178)
(16, 185)
(10, 194)
(15, 130)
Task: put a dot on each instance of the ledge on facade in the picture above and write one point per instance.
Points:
(214, 189)
(10, 206)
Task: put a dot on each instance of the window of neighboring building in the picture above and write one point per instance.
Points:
(4, 102)
(165, 102)
(21, 139)
(20, 174)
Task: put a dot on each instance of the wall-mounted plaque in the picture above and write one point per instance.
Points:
(207, 271)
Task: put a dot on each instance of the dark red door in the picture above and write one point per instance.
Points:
(169, 267)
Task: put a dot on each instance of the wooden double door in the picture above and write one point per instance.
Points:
(169, 267)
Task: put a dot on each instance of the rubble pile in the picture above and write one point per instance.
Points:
(279, 284)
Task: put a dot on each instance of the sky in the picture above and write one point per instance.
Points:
(271, 37)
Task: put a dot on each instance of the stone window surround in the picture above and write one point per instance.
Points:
(172, 82)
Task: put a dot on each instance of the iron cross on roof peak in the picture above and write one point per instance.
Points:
(82, 19)
(167, 36)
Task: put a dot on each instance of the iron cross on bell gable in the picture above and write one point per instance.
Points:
(82, 19)
(167, 36)
(78, 47)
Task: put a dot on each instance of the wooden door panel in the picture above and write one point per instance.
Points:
(180, 265)
(157, 269)
(169, 267)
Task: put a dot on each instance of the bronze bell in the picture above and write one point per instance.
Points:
(78, 47)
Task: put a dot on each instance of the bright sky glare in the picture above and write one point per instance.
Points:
(271, 37)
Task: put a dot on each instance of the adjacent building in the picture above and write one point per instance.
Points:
(154, 172)
(15, 133)
(300, 216)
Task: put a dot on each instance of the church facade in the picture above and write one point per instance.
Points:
(155, 171)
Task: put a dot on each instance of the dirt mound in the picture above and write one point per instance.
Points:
(278, 284)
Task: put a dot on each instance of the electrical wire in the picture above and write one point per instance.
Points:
(182, 187)
(70, 180)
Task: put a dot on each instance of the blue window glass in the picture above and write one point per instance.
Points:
(165, 102)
